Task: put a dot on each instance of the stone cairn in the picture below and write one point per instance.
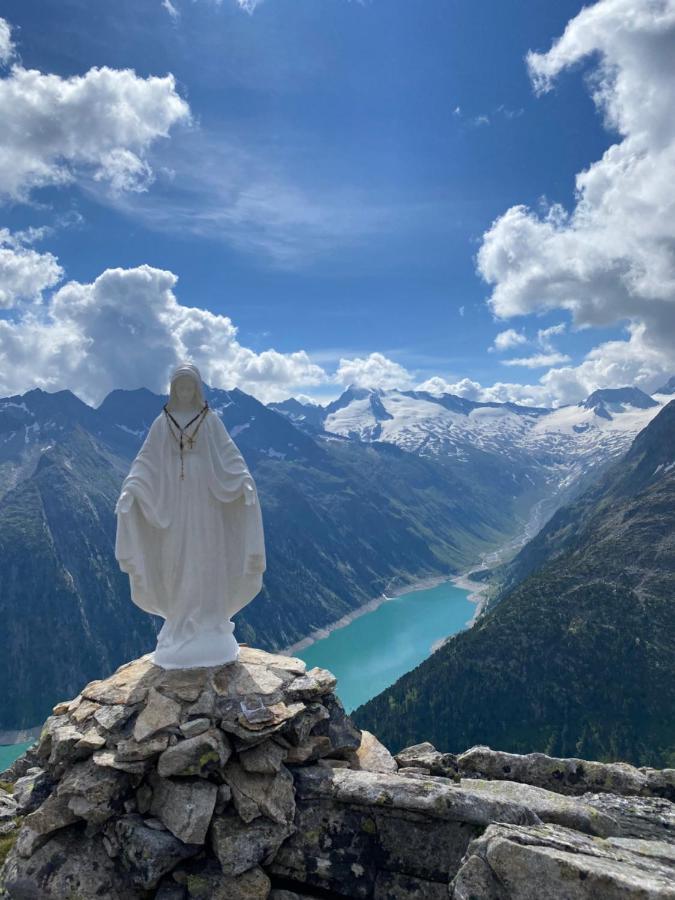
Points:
(249, 781)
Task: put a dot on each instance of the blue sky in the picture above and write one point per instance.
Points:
(328, 192)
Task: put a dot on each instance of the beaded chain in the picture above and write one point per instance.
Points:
(183, 431)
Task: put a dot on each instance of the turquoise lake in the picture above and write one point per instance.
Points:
(8, 753)
(374, 650)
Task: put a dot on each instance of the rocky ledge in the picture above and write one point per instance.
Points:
(249, 781)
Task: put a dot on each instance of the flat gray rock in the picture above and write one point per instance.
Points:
(158, 713)
(567, 776)
(313, 684)
(128, 685)
(510, 862)
(184, 807)
(426, 756)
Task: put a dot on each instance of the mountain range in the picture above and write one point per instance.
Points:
(576, 655)
(343, 522)
(549, 454)
(348, 512)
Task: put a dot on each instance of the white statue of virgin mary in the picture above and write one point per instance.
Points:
(189, 529)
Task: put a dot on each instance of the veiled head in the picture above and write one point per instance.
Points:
(185, 389)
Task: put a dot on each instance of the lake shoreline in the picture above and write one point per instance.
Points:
(418, 584)
(477, 591)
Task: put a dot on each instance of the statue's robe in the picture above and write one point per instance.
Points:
(193, 547)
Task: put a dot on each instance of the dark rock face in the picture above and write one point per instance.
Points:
(155, 784)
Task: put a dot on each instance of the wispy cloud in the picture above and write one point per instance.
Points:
(538, 360)
(172, 10)
(213, 188)
(249, 6)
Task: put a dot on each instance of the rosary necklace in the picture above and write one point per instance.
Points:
(183, 435)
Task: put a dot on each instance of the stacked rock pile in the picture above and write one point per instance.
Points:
(249, 781)
(153, 772)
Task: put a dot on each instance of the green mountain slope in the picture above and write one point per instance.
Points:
(578, 658)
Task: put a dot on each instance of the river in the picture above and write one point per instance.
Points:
(375, 649)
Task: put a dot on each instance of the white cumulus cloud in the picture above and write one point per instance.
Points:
(24, 273)
(611, 259)
(127, 329)
(373, 371)
(465, 387)
(505, 340)
(99, 124)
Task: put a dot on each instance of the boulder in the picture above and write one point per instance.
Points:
(129, 685)
(337, 726)
(284, 664)
(371, 755)
(93, 793)
(646, 818)
(239, 846)
(567, 776)
(312, 685)
(108, 759)
(200, 755)
(159, 712)
(548, 806)
(53, 815)
(255, 795)
(68, 866)
(510, 862)
(111, 718)
(208, 882)
(9, 807)
(146, 853)
(130, 750)
(185, 807)
(265, 758)
(195, 726)
(427, 757)
(298, 731)
(312, 749)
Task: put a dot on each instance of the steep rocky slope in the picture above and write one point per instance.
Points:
(578, 657)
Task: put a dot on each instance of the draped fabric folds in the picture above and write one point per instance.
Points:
(194, 546)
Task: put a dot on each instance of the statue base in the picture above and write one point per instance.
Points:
(183, 647)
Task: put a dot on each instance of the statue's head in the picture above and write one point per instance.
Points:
(185, 388)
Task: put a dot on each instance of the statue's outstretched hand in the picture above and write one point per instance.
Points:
(125, 502)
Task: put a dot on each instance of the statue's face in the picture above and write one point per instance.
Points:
(185, 390)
